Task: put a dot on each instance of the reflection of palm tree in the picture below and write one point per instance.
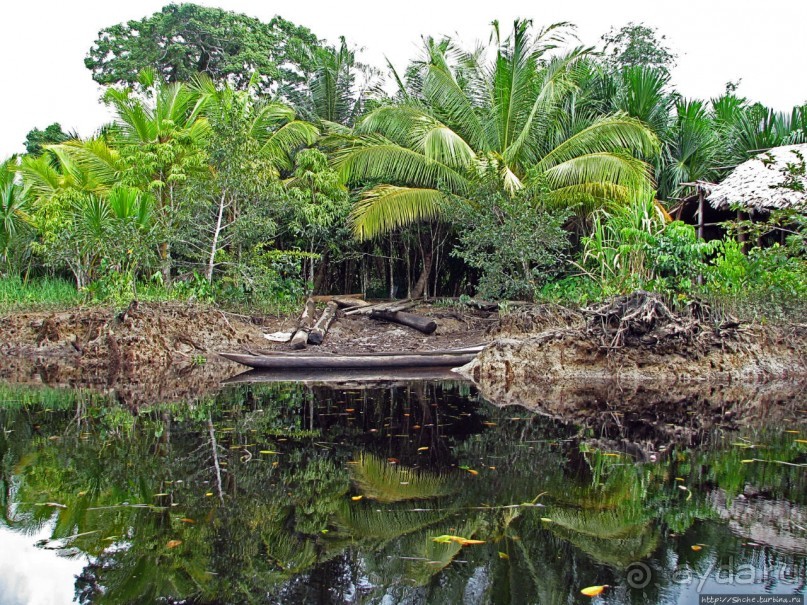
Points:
(386, 482)
(607, 536)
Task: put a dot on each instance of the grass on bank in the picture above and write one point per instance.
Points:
(55, 293)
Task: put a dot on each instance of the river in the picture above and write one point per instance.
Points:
(384, 493)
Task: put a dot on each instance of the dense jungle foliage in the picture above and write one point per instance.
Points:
(250, 163)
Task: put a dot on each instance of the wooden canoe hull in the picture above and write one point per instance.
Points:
(352, 379)
(280, 361)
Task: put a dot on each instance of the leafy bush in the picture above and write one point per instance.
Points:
(515, 244)
(635, 247)
(266, 279)
(767, 282)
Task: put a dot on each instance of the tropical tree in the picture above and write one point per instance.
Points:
(339, 85)
(36, 139)
(637, 45)
(183, 40)
(251, 145)
(466, 119)
(14, 210)
(161, 138)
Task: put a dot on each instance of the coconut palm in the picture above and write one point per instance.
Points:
(464, 121)
(14, 209)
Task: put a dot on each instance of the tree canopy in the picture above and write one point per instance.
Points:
(185, 39)
(36, 139)
(637, 45)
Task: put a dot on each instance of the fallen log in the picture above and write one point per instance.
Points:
(418, 322)
(300, 338)
(391, 306)
(326, 298)
(350, 303)
(320, 329)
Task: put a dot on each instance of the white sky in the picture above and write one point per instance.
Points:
(43, 43)
(32, 575)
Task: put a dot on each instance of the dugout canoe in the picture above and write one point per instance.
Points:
(278, 360)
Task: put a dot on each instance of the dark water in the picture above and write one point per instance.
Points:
(286, 493)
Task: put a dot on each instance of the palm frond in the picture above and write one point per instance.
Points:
(387, 207)
(281, 145)
(416, 129)
(554, 82)
(606, 134)
(379, 480)
(441, 90)
(602, 167)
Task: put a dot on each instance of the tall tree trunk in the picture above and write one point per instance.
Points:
(319, 276)
(165, 262)
(420, 285)
(215, 244)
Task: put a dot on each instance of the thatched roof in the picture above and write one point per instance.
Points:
(757, 183)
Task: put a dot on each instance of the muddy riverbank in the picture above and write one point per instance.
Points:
(539, 354)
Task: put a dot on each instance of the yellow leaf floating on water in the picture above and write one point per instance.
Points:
(503, 555)
(546, 519)
(593, 591)
(696, 547)
(173, 543)
(271, 452)
(746, 461)
(792, 432)
(356, 498)
(187, 520)
(208, 494)
(445, 539)
(423, 449)
(801, 440)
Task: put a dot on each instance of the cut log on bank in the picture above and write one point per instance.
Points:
(291, 361)
(326, 298)
(300, 338)
(320, 329)
(418, 322)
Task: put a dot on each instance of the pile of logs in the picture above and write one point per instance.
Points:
(311, 330)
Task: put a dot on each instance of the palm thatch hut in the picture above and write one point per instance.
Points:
(772, 180)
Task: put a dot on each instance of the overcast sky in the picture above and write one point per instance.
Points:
(43, 43)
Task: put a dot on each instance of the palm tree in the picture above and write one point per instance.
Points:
(14, 209)
(339, 84)
(162, 137)
(691, 148)
(463, 122)
(68, 188)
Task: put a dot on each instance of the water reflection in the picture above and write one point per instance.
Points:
(298, 493)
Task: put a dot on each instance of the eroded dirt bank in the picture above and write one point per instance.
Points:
(541, 356)
(633, 361)
(167, 351)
